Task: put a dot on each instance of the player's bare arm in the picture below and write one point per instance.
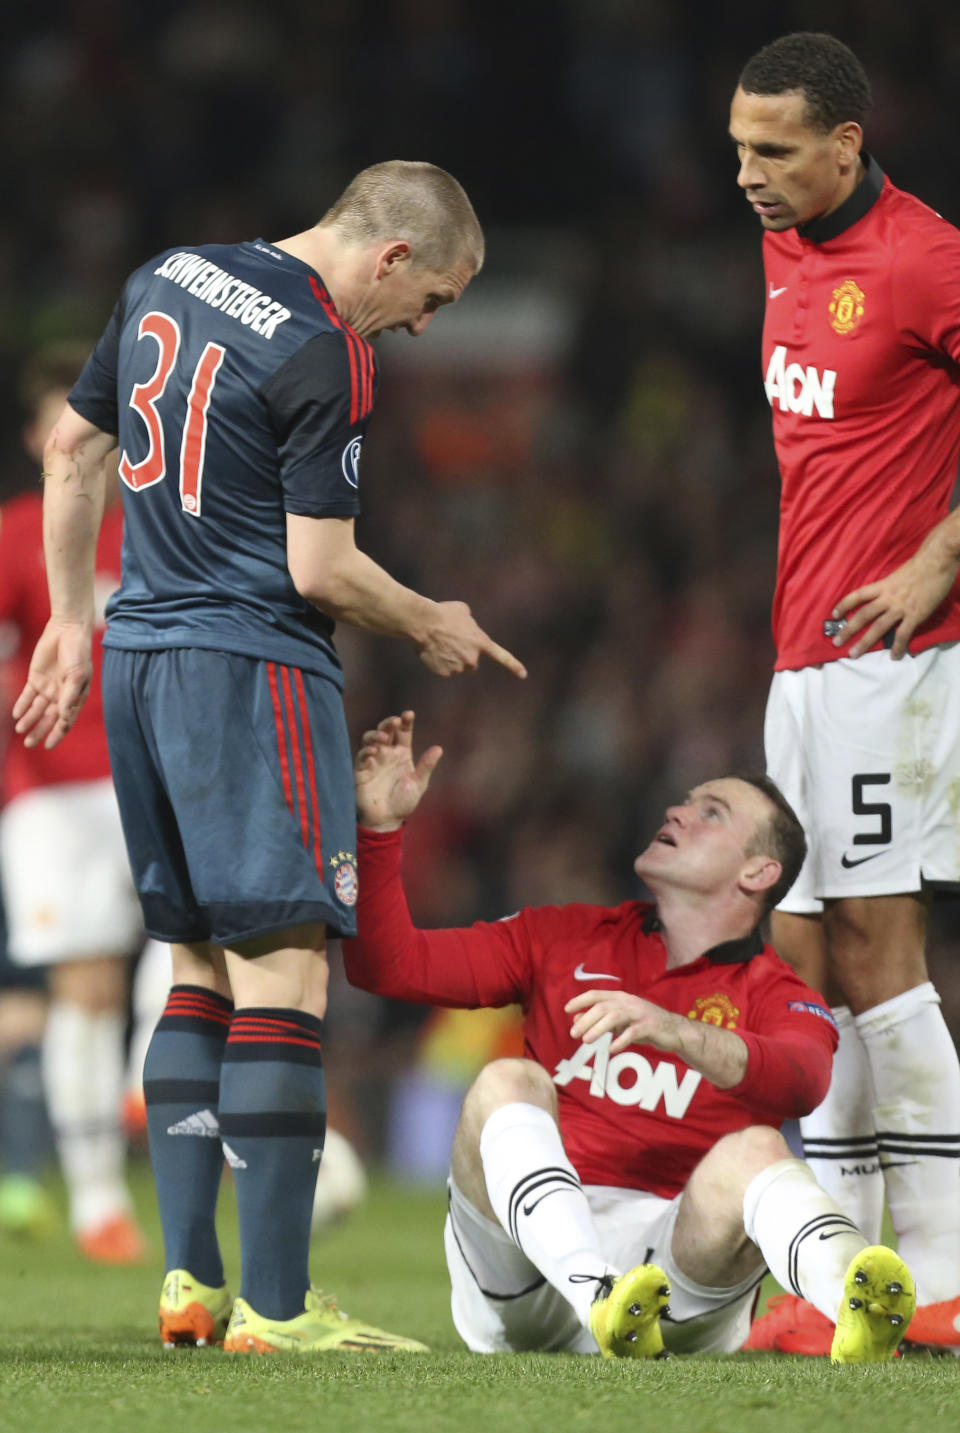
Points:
(720, 1055)
(75, 465)
(904, 598)
(329, 570)
(389, 784)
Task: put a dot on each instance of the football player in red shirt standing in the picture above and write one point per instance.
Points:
(70, 901)
(861, 364)
(663, 1046)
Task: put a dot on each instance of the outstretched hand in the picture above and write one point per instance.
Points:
(389, 785)
(57, 685)
(455, 643)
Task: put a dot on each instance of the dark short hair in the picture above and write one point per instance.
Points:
(831, 78)
(780, 837)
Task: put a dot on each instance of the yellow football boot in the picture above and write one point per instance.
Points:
(321, 1328)
(625, 1315)
(877, 1306)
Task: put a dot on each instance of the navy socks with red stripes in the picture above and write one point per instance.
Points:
(249, 1089)
(181, 1085)
(272, 1123)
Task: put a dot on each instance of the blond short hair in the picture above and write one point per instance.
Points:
(409, 199)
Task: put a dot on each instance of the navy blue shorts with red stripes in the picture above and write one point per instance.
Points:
(235, 783)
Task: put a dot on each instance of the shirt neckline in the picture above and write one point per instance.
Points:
(851, 211)
(728, 952)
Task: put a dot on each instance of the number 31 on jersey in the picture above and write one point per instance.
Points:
(144, 399)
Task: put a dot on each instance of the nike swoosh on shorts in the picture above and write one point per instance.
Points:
(848, 865)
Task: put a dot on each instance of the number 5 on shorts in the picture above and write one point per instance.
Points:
(881, 809)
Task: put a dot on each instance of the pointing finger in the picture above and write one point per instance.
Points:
(496, 653)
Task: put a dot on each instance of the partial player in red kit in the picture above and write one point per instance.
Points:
(664, 1045)
(69, 896)
(861, 366)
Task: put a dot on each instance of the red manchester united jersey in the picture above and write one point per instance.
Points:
(25, 607)
(641, 1119)
(861, 363)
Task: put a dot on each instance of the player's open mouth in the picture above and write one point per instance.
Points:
(664, 838)
(766, 207)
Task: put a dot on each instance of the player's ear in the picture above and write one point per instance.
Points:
(393, 255)
(849, 138)
(759, 873)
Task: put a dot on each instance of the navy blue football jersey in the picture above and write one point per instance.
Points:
(238, 395)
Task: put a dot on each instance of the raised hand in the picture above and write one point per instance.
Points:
(389, 785)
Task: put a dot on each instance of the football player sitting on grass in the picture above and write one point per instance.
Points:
(624, 1186)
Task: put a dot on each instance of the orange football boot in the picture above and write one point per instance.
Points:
(117, 1240)
(937, 1327)
(192, 1314)
(791, 1325)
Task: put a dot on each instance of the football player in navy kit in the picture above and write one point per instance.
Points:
(236, 384)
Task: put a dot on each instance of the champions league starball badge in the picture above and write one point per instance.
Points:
(350, 462)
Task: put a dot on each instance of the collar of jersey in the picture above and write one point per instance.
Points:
(853, 208)
(728, 952)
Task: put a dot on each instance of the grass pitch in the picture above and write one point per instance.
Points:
(79, 1353)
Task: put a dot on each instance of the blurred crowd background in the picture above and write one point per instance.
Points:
(580, 449)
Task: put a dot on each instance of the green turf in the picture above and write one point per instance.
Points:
(78, 1353)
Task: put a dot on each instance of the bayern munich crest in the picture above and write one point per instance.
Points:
(345, 882)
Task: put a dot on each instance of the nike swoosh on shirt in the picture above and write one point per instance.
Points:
(848, 865)
(775, 293)
(581, 974)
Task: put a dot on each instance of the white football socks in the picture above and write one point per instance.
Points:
(916, 1075)
(839, 1137)
(151, 986)
(804, 1237)
(537, 1196)
(83, 1073)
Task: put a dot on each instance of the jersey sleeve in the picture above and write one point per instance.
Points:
(926, 292)
(790, 1052)
(319, 402)
(487, 963)
(12, 551)
(94, 395)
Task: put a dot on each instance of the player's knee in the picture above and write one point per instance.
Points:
(509, 1081)
(876, 947)
(752, 1149)
(97, 984)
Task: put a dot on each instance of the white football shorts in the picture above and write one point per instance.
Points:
(867, 752)
(501, 1303)
(67, 887)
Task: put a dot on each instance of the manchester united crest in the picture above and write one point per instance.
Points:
(345, 883)
(846, 306)
(716, 1009)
